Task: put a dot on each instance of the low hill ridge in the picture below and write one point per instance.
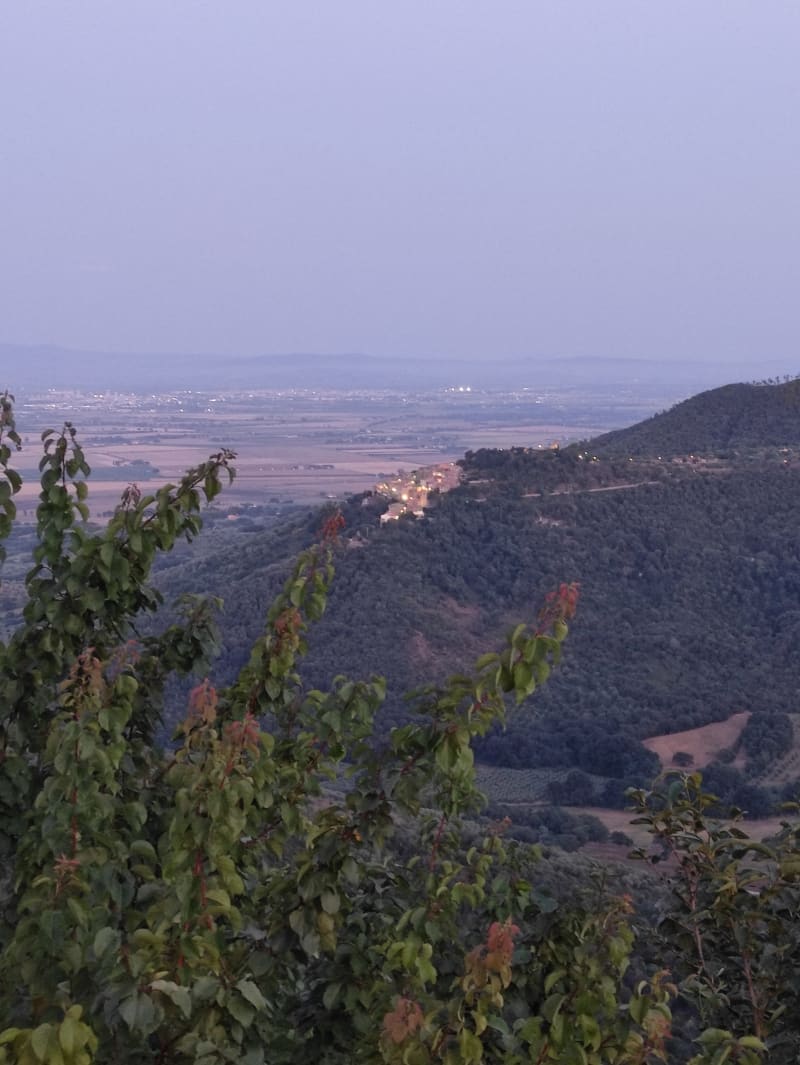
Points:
(730, 418)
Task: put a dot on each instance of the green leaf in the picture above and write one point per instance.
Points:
(713, 1036)
(330, 901)
(142, 848)
(249, 990)
(541, 671)
(310, 943)
(523, 679)
(752, 1042)
(104, 940)
(350, 871)
(331, 995)
(470, 1047)
(127, 1010)
(489, 659)
(78, 912)
(68, 1034)
(204, 988)
(551, 1006)
(242, 1011)
(221, 897)
(177, 994)
(498, 1025)
(40, 1041)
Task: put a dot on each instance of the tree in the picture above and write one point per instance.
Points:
(275, 885)
(683, 759)
(731, 923)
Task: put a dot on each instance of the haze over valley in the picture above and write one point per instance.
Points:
(301, 444)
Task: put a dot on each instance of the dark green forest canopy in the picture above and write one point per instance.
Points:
(732, 418)
(690, 604)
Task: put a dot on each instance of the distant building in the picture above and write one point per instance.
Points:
(409, 491)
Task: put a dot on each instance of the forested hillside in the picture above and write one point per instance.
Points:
(690, 596)
(689, 574)
(731, 418)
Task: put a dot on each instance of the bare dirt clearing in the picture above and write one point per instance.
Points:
(703, 744)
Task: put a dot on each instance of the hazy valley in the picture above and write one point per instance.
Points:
(303, 444)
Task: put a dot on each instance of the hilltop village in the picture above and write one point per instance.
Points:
(409, 491)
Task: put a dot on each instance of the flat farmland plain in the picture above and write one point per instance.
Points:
(301, 445)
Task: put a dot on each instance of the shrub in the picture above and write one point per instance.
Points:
(217, 901)
(221, 901)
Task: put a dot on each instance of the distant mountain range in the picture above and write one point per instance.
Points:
(39, 367)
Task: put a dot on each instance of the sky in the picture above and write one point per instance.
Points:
(437, 178)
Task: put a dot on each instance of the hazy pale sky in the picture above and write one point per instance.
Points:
(446, 178)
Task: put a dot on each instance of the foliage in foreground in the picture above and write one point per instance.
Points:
(216, 902)
(730, 932)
